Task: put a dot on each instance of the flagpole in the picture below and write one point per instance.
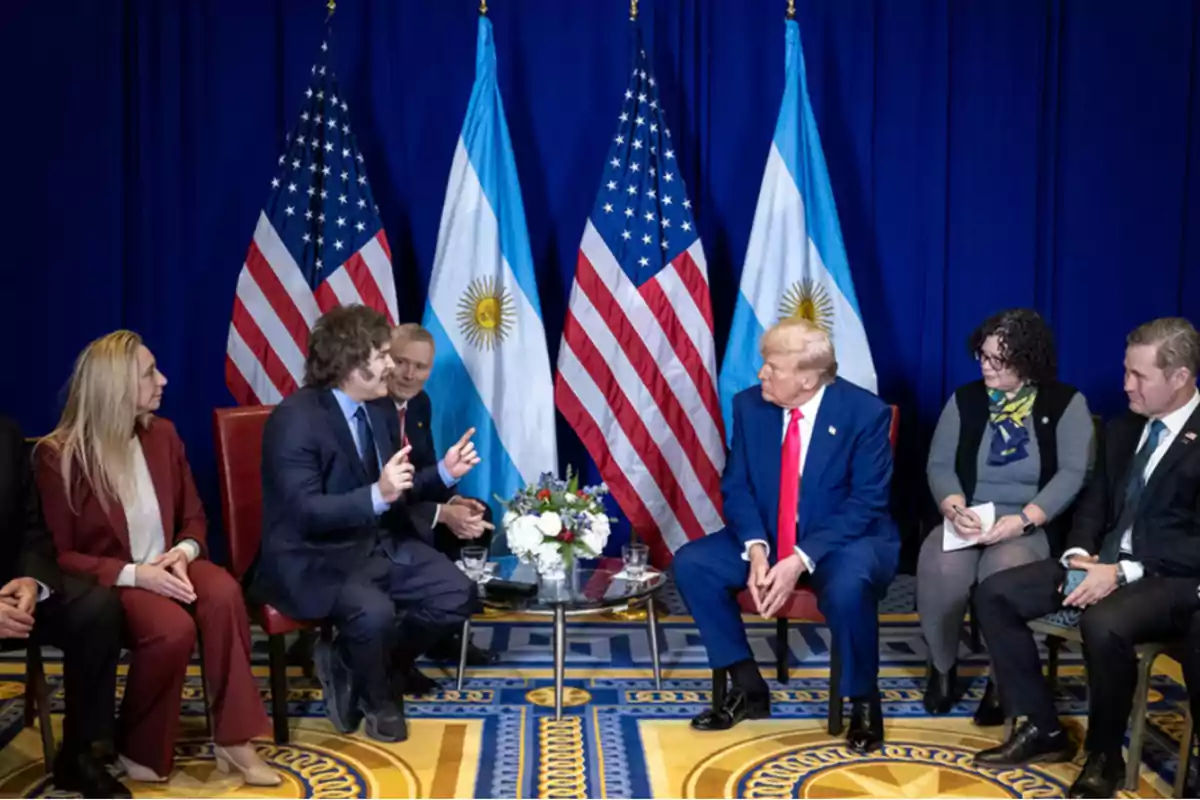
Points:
(791, 9)
(483, 8)
(332, 6)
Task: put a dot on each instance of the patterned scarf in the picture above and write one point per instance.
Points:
(1007, 417)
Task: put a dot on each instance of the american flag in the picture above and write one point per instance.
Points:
(637, 367)
(318, 244)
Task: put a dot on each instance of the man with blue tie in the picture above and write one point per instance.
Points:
(334, 543)
(805, 494)
(1129, 572)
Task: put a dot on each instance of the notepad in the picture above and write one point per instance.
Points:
(953, 540)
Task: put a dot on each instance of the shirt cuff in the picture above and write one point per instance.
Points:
(437, 512)
(127, 576)
(1074, 551)
(751, 543)
(43, 591)
(448, 479)
(190, 549)
(380, 505)
(1133, 570)
(809, 564)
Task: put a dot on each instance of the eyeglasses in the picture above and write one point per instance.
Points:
(995, 362)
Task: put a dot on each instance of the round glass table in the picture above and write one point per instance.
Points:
(594, 586)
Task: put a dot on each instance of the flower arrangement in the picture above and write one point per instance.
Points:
(553, 522)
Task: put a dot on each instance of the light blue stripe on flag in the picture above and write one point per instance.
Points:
(796, 261)
(491, 365)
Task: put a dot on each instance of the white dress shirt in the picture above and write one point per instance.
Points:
(1174, 423)
(143, 518)
(808, 417)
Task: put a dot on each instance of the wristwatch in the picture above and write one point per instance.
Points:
(1029, 524)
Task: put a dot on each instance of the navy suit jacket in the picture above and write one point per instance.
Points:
(319, 523)
(847, 474)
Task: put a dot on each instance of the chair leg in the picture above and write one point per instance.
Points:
(720, 684)
(781, 650)
(1137, 733)
(1053, 646)
(277, 656)
(835, 723)
(1185, 755)
(37, 702)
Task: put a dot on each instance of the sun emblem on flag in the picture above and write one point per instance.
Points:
(485, 313)
(808, 300)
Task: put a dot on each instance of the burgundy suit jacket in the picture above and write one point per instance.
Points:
(93, 541)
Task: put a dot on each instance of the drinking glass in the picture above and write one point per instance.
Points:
(636, 557)
(474, 559)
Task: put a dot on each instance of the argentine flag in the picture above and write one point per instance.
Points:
(491, 369)
(796, 261)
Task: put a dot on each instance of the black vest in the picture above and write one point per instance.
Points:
(1048, 407)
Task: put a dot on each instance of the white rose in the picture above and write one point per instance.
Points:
(550, 524)
(599, 525)
(523, 535)
(548, 556)
(594, 542)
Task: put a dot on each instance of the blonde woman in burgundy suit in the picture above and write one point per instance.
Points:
(122, 506)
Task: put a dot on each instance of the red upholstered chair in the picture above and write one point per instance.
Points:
(239, 434)
(802, 605)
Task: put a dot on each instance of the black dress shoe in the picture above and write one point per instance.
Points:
(385, 723)
(416, 683)
(990, 712)
(337, 684)
(1028, 745)
(86, 775)
(866, 725)
(939, 690)
(1100, 777)
(738, 706)
(449, 650)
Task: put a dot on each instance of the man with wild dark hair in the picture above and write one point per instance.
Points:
(333, 546)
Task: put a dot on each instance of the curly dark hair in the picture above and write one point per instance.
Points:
(341, 341)
(1026, 343)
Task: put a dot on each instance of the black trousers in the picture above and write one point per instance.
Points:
(1151, 609)
(415, 580)
(84, 621)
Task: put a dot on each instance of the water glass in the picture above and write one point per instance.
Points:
(636, 556)
(474, 560)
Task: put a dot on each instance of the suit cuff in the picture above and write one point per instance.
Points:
(377, 502)
(808, 562)
(190, 549)
(127, 576)
(751, 543)
(448, 479)
(1133, 570)
(1074, 551)
(43, 591)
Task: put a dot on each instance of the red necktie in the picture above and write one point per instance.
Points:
(789, 487)
(403, 432)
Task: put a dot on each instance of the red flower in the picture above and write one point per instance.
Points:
(566, 537)
(544, 494)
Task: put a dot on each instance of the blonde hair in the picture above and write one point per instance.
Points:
(100, 418)
(1177, 343)
(807, 341)
(409, 332)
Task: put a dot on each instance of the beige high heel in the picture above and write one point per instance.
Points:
(137, 772)
(254, 775)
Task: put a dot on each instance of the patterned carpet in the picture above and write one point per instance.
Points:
(622, 738)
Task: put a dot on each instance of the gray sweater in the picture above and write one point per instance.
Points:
(1014, 485)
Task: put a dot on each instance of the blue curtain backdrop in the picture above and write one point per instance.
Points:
(983, 154)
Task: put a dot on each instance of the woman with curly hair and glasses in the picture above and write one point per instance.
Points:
(1019, 439)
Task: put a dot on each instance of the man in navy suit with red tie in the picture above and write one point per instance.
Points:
(805, 493)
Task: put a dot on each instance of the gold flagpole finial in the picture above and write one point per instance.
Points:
(633, 9)
(791, 12)
(483, 7)
(332, 6)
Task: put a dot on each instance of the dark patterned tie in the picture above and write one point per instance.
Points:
(1110, 551)
(366, 445)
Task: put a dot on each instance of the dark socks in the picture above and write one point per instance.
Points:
(746, 677)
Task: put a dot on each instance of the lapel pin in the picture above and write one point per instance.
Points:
(832, 431)
(1190, 436)
(1045, 420)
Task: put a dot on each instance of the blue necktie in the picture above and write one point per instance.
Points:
(1110, 552)
(366, 445)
